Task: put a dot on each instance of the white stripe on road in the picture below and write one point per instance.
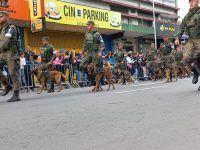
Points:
(152, 83)
(150, 88)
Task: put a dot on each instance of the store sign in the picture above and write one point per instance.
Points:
(72, 14)
(36, 25)
(166, 28)
(18, 9)
(35, 9)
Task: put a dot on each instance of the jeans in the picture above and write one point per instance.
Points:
(135, 73)
(77, 75)
(22, 77)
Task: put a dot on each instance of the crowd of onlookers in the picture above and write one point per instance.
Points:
(70, 60)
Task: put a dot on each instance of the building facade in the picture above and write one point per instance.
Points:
(135, 28)
(137, 21)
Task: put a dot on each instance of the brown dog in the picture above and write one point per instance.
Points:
(92, 71)
(54, 75)
(125, 75)
(157, 70)
(171, 69)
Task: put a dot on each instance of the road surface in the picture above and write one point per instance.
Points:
(143, 116)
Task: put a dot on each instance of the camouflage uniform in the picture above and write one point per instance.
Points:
(178, 56)
(191, 26)
(47, 56)
(9, 55)
(151, 55)
(166, 58)
(93, 43)
(120, 63)
(165, 51)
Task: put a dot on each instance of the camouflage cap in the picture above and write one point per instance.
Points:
(90, 22)
(2, 13)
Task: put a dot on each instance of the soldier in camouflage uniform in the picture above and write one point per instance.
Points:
(191, 26)
(178, 64)
(165, 54)
(151, 56)
(48, 56)
(120, 62)
(9, 55)
(93, 44)
(178, 56)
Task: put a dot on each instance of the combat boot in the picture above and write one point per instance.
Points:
(15, 97)
(50, 85)
(8, 88)
(195, 76)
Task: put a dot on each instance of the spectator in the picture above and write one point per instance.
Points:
(58, 60)
(62, 54)
(22, 65)
(66, 59)
(29, 52)
(135, 66)
(144, 68)
(110, 58)
(130, 62)
(30, 63)
(76, 65)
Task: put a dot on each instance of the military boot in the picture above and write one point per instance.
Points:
(8, 88)
(199, 88)
(50, 86)
(15, 97)
(195, 76)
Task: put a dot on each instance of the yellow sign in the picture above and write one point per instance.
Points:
(35, 9)
(36, 25)
(72, 14)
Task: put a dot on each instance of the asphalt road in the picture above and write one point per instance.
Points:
(144, 116)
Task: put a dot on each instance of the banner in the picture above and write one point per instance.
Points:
(166, 28)
(72, 14)
(18, 9)
(36, 25)
(35, 9)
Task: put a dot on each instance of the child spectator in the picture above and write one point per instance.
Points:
(22, 65)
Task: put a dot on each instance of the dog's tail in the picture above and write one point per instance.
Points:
(63, 76)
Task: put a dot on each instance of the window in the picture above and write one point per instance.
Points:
(145, 23)
(119, 9)
(133, 11)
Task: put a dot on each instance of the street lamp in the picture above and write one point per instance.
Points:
(154, 24)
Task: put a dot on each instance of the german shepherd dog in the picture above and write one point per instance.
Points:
(92, 72)
(54, 75)
(158, 72)
(171, 69)
(125, 75)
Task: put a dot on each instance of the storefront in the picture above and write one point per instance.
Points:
(66, 25)
(169, 29)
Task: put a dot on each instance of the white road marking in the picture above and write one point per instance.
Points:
(149, 88)
(151, 83)
(144, 84)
